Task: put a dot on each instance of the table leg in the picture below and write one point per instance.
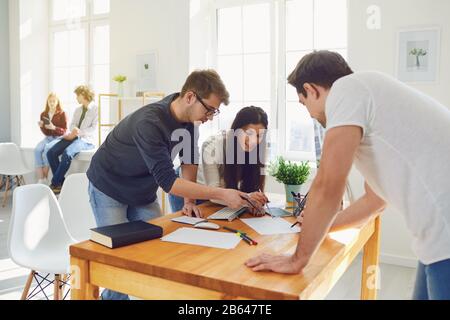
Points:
(81, 288)
(370, 269)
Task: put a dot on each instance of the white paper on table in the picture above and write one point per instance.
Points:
(188, 220)
(204, 238)
(271, 226)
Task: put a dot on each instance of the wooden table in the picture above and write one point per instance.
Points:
(163, 270)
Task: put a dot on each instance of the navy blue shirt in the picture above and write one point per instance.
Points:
(137, 156)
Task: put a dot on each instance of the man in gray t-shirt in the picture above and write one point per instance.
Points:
(395, 136)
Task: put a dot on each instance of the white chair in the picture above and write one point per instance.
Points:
(38, 239)
(75, 206)
(12, 166)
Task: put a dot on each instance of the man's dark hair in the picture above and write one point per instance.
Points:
(322, 68)
(204, 83)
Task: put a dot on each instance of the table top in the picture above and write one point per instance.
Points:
(224, 270)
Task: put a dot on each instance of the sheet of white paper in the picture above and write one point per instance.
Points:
(204, 238)
(271, 226)
(188, 220)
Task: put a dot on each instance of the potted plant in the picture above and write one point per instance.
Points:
(120, 79)
(292, 175)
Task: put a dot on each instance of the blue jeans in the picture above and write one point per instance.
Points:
(108, 211)
(68, 150)
(433, 281)
(40, 153)
(177, 203)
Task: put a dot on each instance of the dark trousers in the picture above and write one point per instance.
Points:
(68, 150)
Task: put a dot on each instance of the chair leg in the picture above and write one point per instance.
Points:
(20, 181)
(57, 289)
(28, 285)
(17, 180)
(63, 285)
(6, 191)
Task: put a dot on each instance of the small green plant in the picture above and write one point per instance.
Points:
(289, 173)
(120, 78)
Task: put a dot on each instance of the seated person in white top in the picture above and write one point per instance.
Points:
(82, 136)
(234, 159)
(398, 139)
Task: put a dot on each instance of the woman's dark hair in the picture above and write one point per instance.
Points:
(246, 177)
(322, 68)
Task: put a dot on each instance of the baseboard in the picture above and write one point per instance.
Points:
(398, 260)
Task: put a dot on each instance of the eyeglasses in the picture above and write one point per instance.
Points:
(210, 110)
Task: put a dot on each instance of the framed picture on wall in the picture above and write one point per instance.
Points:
(418, 55)
(146, 71)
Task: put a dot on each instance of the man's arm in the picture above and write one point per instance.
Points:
(323, 202)
(359, 212)
(189, 173)
(154, 150)
(187, 189)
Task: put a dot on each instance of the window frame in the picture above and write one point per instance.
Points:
(224, 4)
(278, 96)
(88, 23)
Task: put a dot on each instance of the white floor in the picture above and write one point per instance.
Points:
(396, 282)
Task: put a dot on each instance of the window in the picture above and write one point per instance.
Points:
(244, 58)
(80, 48)
(324, 26)
(258, 46)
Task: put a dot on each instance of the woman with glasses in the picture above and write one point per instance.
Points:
(234, 159)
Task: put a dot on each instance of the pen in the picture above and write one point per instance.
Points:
(253, 242)
(295, 224)
(243, 235)
(240, 235)
(267, 205)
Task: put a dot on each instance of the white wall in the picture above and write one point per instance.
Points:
(376, 50)
(28, 67)
(5, 134)
(200, 48)
(139, 26)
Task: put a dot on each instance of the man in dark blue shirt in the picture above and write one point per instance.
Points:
(137, 158)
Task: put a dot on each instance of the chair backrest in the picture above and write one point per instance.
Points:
(11, 161)
(37, 224)
(75, 206)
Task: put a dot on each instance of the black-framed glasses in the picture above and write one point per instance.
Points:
(210, 110)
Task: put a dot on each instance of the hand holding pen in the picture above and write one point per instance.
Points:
(255, 207)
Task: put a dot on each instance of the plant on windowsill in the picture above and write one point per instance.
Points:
(292, 175)
(120, 79)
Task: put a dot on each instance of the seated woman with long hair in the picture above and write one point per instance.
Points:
(53, 124)
(234, 159)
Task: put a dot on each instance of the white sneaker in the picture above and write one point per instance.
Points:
(43, 181)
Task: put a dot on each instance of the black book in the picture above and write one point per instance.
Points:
(125, 234)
